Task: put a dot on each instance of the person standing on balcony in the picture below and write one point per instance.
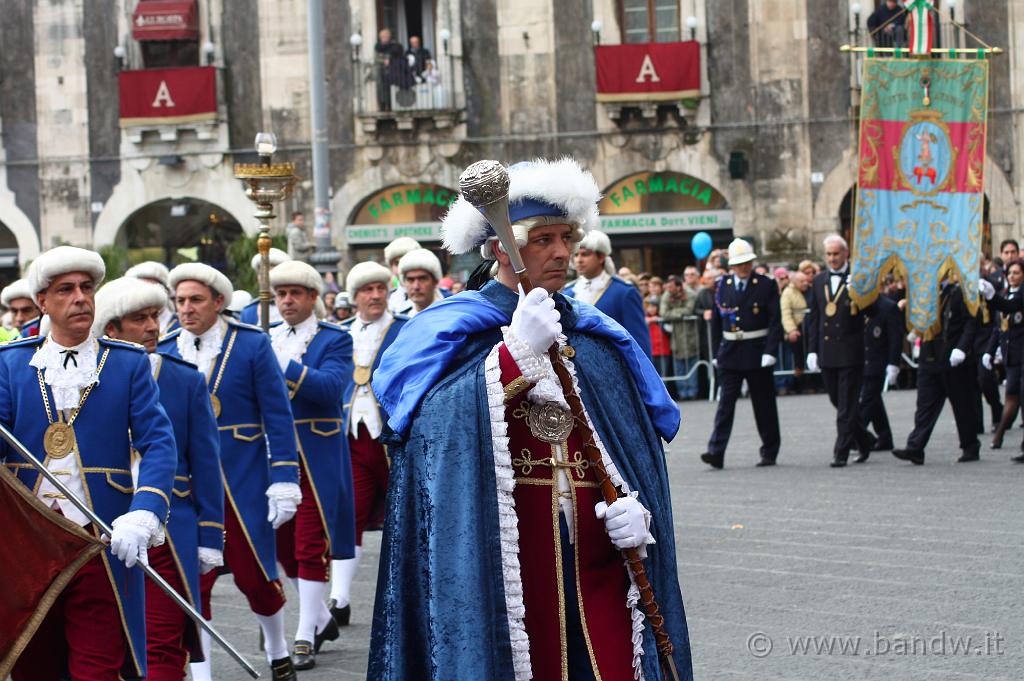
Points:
(887, 25)
(390, 67)
(417, 57)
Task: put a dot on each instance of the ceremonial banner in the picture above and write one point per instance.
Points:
(920, 181)
(168, 96)
(648, 71)
(41, 551)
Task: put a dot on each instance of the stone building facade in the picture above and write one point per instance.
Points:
(770, 134)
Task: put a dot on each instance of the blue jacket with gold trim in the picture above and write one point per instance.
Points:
(389, 338)
(255, 412)
(621, 301)
(197, 499)
(315, 386)
(125, 399)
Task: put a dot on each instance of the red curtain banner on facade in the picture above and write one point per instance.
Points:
(168, 95)
(165, 20)
(648, 71)
(40, 553)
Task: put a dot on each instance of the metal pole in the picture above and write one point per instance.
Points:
(318, 111)
(105, 529)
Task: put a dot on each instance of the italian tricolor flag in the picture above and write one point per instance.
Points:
(922, 26)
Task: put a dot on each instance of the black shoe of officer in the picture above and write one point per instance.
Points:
(303, 655)
(713, 460)
(883, 445)
(340, 615)
(839, 460)
(968, 456)
(1018, 459)
(863, 456)
(282, 669)
(765, 461)
(914, 456)
(329, 633)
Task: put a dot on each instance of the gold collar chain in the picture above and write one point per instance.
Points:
(59, 439)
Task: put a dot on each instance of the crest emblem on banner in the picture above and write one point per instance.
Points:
(920, 181)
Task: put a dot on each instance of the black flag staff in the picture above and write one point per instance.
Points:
(485, 186)
(150, 572)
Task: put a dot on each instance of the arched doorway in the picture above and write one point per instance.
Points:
(9, 268)
(652, 217)
(173, 231)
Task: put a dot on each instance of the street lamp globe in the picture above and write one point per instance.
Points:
(356, 40)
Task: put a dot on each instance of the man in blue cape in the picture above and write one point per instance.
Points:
(499, 558)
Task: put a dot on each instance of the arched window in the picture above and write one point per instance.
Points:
(649, 21)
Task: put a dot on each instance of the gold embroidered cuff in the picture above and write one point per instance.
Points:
(154, 490)
(517, 386)
(210, 523)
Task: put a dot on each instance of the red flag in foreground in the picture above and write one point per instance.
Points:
(41, 551)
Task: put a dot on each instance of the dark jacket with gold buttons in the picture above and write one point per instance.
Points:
(755, 309)
(837, 338)
(958, 329)
(883, 336)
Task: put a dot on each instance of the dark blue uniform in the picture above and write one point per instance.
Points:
(1008, 337)
(988, 379)
(883, 342)
(744, 326)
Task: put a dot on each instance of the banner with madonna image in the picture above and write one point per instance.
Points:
(920, 187)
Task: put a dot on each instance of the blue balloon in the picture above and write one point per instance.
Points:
(701, 245)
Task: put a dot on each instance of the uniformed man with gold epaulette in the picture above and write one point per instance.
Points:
(746, 329)
(373, 329)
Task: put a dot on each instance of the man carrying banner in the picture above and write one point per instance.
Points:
(18, 298)
(132, 311)
(316, 360)
(257, 446)
(86, 403)
(373, 329)
(883, 343)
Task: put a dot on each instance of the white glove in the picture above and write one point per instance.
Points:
(627, 522)
(957, 357)
(767, 361)
(714, 362)
(986, 361)
(209, 559)
(892, 372)
(998, 359)
(812, 361)
(986, 288)
(133, 533)
(535, 321)
(283, 499)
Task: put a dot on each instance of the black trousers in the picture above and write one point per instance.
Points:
(761, 385)
(988, 387)
(872, 408)
(933, 389)
(843, 387)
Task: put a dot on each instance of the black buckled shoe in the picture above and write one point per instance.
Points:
(329, 633)
(713, 460)
(282, 669)
(303, 655)
(914, 456)
(340, 615)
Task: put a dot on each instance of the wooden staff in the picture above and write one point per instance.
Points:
(485, 185)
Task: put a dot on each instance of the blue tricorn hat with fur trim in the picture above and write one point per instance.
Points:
(559, 190)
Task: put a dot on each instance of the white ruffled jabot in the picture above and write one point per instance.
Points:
(67, 382)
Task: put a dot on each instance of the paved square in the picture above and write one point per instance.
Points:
(784, 568)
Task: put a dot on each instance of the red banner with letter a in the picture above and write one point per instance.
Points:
(157, 96)
(40, 553)
(648, 71)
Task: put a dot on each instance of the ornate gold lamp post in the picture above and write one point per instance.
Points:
(266, 183)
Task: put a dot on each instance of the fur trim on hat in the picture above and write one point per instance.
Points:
(239, 299)
(399, 247)
(14, 290)
(204, 274)
(600, 243)
(150, 270)
(276, 256)
(296, 273)
(124, 296)
(563, 183)
(62, 260)
(365, 273)
(420, 259)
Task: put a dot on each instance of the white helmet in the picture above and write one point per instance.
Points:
(740, 251)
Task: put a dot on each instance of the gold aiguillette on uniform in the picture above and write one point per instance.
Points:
(59, 439)
(361, 375)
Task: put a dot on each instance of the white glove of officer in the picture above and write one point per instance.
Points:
(283, 499)
(133, 533)
(812, 361)
(986, 361)
(986, 288)
(957, 357)
(767, 361)
(626, 521)
(998, 357)
(892, 372)
(535, 321)
(209, 559)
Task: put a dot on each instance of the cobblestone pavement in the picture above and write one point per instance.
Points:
(877, 571)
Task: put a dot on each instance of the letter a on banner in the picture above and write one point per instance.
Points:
(647, 71)
(163, 97)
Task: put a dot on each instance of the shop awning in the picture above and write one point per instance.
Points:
(165, 20)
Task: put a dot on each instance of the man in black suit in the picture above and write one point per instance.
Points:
(883, 341)
(945, 370)
(745, 334)
(835, 343)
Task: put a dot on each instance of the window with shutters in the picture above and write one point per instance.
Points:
(649, 21)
